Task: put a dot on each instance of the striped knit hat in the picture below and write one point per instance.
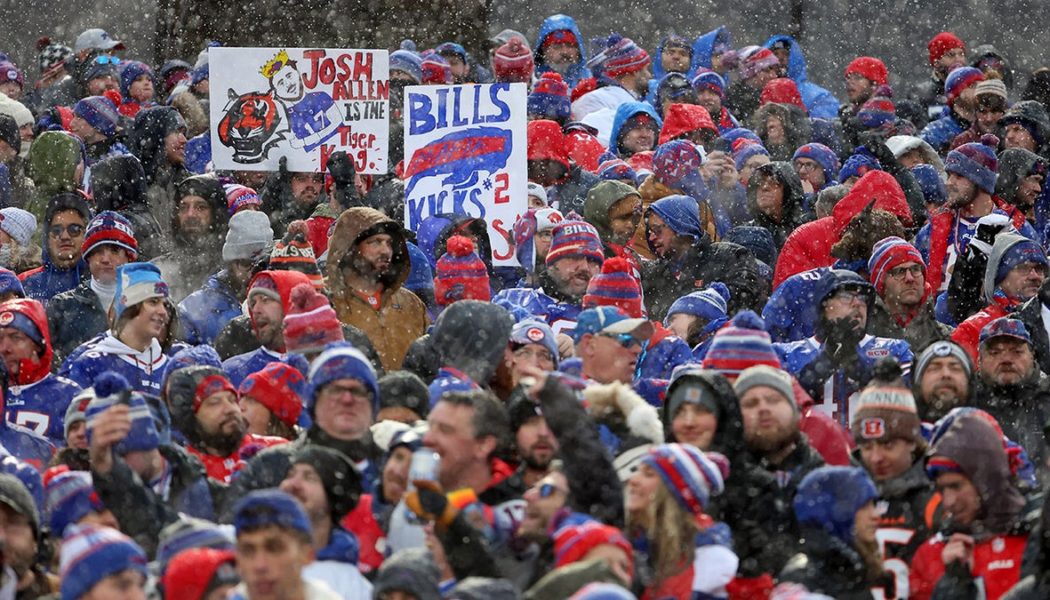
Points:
(100, 113)
(887, 254)
(294, 253)
(709, 303)
(960, 79)
(976, 161)
(756, 59)
(90, 554)
(460, 274)
(512, 62)
(311, 322)
(885, 412)
(111, 388)
(549, 98)
(240, 197)
(436, 70)
(878, 110)
(279, 387)
(69, 497)
(621, 57)
(575, 239)
(113, 229)
(744, 149)
(741, 344)
(690, 476)
(706, 79)
(615, 286)
(573, 542)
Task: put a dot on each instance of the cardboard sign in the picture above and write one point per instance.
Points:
(465, 153)
(299, 103)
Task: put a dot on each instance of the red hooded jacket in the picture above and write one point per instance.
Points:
(685, 118)
(30, 371)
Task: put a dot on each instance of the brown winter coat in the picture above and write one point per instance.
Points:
(401, 317)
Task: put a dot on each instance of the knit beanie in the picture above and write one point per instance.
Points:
(991, 87)
(270, 507)
(70, 496)
(130, 71)
(341, 481)
(435, 70)
(575, 239)
(404, 389)
(549, 98)
(460, 274)
(886, 255)
(823, 156)
(535, 220)
(690, 476)
(17, 314)
(615, 286)
(411, 571)
(941, 44)
(1024, 251)
(340, 361)
(960, 79)
(76, 411)
(707, 79)
(136, 283)
(407, 62)
(782, 90)
(741, 344)
(768, 376)
(879, 110)
(708, 304)
(872, 69)
(858, 165)
(616, 169)
(9, 132)
(829, 497)
(941, 349)
(240, 197)
(310, 323)
(883, 412)
(51, 53)
(110, 228)
(280, 388)
(512, 62)
(111, 388)
(547, 142)
(90, 554)
(294, 253)
(249, 236)
(14, 492)
(537, 190)
(18, 223)
(620, 57)
(1030, 114)
(573, 542)
(689, 386)
(187, 533)
(755, 59)
(676, 164)
(976, 162)
(681, 213)
(931, 184)
(100, 113)
(197, 572)
(744, 149)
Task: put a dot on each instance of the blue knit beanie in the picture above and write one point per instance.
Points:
(976, 161)
(708, 304)
(100, 113)
(341, 360)
(407, 62)
(823, 155)
(270, 507)
(681, 213)
(829, 498)
(129, 72)
(111, 388)
(90, 554)
(931, 184)
(1021, 252)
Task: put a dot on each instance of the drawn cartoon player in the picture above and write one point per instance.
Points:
(312, 117)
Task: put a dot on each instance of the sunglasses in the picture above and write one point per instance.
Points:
(107, 60)
(73, 230)
(546, 490)
(624, 339)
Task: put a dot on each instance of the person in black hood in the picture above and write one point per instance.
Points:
(1026, 125)
(198, 221)
(775, 200)
(118, 183)
(1022, 175)
(158, 139)
(290, 196)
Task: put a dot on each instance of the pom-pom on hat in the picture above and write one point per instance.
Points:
(280, 388)
(615, 286)
(112, 388)
(691, 477)
(741, 344)
(460, 274)
(311, 322)
(549, 98)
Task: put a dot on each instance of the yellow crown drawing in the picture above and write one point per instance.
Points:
(270, 68)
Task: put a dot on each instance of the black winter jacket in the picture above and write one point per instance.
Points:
(74, 317)
(827, 565)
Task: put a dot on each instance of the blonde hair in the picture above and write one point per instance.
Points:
(671, 532)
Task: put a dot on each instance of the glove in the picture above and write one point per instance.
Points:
(873, 141)
(429, 504)
(341, 169)
(841, 340)
(988, 227)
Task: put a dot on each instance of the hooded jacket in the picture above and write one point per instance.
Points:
(1000, 530)
(192, 259)
(75, 317)
(144, 370)
(624, 112)
(576, 71)
(704, 46)
(820, 102)
(118, 183)
(471, 336)
(797, 129)
(683, 119)
(46, 281)
(401, 316)
(900, 145)
(1014, 165)
(809, 246)
(53, 160)
(792, 206)
(205, 312)
(35, 398)
(827, 565)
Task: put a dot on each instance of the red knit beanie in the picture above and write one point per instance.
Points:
(869, 68)
(310, 323)
(460, 274)
(782, 91)
(615, 286)
(195, 572)
(277, 387)
(942, 43)
(512, 62)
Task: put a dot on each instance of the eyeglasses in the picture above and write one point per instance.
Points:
(899, 272)
(806, 166)
(338, 391)
(1030, 267)
(624, 339)
(851, 296)
(537, 354)
(73, 230)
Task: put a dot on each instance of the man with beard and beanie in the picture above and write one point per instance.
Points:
(838, 359)
(206, 311)
(35, 398)
(942, 379)
(863, 76)
(623, 73)
(342, 401)
(82, 313)
(903, 307)
(205, 410)
(1016, 269)
(615, 210)
(687, 259)
(268, 302)
(325, 482)
(198, 224)
(367, 266)
(65, 222)
(765, 531)
(890, 447)
(990, 104)
(960, 89)
(1022, 177)
(118, 183)
(575, 256)
(837, 518)
(987, 528)
(145, 483)
(971, 172)
(758, 66)
(1010, 387)
(158, 140)
(946, 53)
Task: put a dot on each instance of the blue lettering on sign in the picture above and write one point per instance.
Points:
(424, 116)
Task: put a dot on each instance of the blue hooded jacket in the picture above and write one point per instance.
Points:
(47, 281)
(575, 72)
(658, 66)
(205, 312)
(704, 48)
(626, 111)
(821, 103)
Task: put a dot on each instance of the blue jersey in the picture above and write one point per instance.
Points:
(791, 311)
(239, 367)
(309, 116)
(205, 312)
(41, 406)
(561, 316)
(143, 370)
(831, 387)
(26, 446)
